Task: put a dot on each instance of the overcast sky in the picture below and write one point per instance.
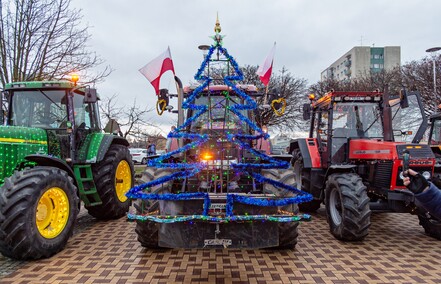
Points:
(310, 35)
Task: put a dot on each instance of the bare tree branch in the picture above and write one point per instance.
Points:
(43, 40)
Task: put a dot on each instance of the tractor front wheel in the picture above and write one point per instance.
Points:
(347, 207)
(148, 231)
(113, 177)
(38, 209)
(304, 182)
(288, 232)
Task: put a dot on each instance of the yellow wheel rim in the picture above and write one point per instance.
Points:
(123, 180)
(52, 212)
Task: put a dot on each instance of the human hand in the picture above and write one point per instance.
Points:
(415, 182)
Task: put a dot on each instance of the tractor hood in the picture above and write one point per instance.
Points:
(384, 150)
(16, 143)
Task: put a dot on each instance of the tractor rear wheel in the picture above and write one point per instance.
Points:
(113, 177)
(148, 231)
(304, 182)
(347, 207)
(288, 232)
(38, 209)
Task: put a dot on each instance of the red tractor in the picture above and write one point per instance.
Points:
(353, 158)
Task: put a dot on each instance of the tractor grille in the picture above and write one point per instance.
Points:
(420, 170)
(416, 151)
(383, 174)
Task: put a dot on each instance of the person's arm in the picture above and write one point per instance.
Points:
(430, 199)
(426, 193)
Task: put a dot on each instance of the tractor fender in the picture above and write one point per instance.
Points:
(49, 161)
(309, 149)
(340, 169)
(108, 140)
(96, 146)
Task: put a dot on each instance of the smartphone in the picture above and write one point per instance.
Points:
(406, 158)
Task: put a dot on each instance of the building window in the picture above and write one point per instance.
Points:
(376, 65)
(376, 56)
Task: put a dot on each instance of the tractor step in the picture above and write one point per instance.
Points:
(86, 185)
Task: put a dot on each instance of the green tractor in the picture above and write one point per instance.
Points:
(53, 155)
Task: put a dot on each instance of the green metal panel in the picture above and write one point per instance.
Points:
(90, 148)
(16, 143)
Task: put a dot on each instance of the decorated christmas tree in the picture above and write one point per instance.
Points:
(217, 161)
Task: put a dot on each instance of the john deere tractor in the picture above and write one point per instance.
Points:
(53, 155)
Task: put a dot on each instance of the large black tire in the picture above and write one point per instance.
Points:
(347, 207)
(38, 209)
(113, 177)
(148, 231)
(432, 226)
(303, 182)
(288, 232)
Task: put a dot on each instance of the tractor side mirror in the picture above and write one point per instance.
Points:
(90, 96)
(306, 111)
(404, 102)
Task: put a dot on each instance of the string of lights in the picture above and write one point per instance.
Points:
(187, 169)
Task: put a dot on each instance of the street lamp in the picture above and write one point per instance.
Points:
(433, 51)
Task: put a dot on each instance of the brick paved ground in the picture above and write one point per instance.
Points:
(396, 251)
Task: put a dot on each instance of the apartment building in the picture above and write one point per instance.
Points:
(362, 60)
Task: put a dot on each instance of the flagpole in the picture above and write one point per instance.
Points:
(180, 101)
(265, 100)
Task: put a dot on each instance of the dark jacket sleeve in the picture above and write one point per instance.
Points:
(431, 200)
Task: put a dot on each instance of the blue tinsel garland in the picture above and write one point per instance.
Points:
(185, 170)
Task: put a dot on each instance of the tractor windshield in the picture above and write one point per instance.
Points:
(218, 115)
(352, 119)
(39, 108)
(435, 138)
(406, 121)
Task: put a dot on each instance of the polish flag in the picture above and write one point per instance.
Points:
(158, 66)
(264, 70)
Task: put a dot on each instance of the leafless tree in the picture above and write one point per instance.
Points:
(44, 40)
(129, 118)
(418, 75)
(370, 81)
(283, 86)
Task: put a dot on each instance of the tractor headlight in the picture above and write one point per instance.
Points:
(206, 156)
(426, 175)
(401, 175)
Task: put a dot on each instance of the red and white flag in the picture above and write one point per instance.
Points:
(265, 69)
(158, 66)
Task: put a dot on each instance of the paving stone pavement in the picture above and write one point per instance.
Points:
(396, 251)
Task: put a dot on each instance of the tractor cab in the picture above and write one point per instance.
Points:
(59, 108)
(434, 141)
(219, 118)
(340, 117)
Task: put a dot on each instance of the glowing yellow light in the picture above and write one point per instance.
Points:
(74, 78)
(206, 156)
(311, 97)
